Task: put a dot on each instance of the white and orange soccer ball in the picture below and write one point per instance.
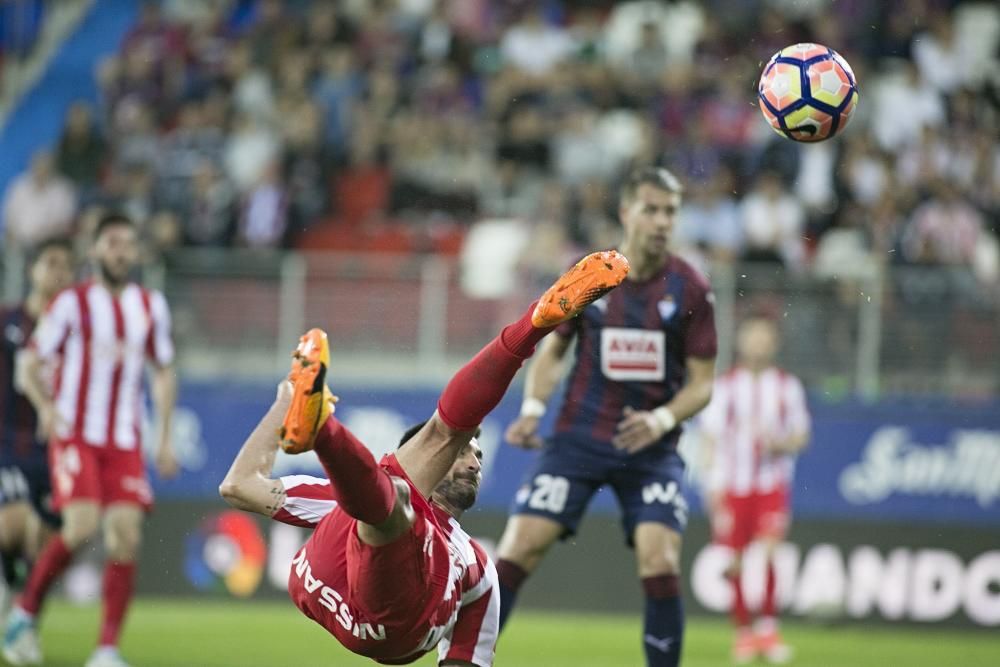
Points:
(807, 92)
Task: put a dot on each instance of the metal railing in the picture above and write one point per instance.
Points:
(406, 318)
(394, 318)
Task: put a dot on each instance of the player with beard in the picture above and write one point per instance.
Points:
(100, 332)
(388, 570)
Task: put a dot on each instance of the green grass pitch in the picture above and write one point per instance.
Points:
(198, 633)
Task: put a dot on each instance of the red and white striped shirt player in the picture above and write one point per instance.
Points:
(469, 632)
(755, 426)
(102, 343)
(99, 336)
(749, 410)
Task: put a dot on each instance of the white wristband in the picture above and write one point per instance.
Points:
(532, 407)
(665, 418)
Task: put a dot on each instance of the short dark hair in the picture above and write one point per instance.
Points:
(112, 219)
(57, 242)
(658, 177)
(413, 430)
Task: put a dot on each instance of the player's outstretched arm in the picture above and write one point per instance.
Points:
(541, 379)
(248, 484)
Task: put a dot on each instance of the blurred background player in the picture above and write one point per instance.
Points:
(101, 331)
(755, 426)
(26, 514)
(388, 570)
(645, 363)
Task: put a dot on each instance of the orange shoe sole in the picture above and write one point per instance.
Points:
(591, 278)
(311, 402)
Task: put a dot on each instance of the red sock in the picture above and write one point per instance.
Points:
(770, 608)
(479, 385)
(741, 617)
(51, 563)
(362, 488)
(119, 580)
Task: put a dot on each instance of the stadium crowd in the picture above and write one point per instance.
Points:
(269, 123)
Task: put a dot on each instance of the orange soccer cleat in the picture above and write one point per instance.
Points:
(591, 278)
(312, 403)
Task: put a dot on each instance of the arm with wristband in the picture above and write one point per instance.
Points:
(542, 378)
(639, 429)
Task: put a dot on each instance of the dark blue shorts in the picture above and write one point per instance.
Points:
(30, 484)
(649, 485)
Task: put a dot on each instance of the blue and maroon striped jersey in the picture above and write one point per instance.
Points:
(18, 422)
(632, 350)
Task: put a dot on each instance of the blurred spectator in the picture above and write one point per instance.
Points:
(39, 204)
(306, 167)
(82, 151)
(593, 222)
(903, 105)
(943, 230)
(534, 46)
(773, 223)
(941, 57)
(509, 192)
(578, 153)
(153, 37)
(337, 91)
(710, 219)
(192, 140)
(250, 149)
(678, 23)
(208, 211)
(264, 218)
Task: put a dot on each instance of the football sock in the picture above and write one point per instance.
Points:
(361, 487)
(511, 576)
(479, 385)
(51, 563)
(663, 629)
(119, 580)
(770, 607)
(741, 616)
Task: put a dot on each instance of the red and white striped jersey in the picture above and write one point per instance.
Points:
(472, 625)
(747, 410)
(101, 343)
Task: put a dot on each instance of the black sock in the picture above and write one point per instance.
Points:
(12, 569)
(511, 577)
(663, 630)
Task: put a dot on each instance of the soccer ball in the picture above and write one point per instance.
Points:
(807, 92)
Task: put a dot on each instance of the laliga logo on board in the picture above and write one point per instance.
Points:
(968, 466)
(227, 552)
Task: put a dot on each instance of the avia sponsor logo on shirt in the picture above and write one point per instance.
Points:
(968, 466)
(632, 354)
(334, 601)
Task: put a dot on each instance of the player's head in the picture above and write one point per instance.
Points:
(116, 248)
(459, 488)
(757, 340)
(647, 207)
(51, 269)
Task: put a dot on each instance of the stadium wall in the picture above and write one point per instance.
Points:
(896, 507)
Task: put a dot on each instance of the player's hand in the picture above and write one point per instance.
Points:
(49, 422)
(523, 432)
(166, 462)
(638, 430)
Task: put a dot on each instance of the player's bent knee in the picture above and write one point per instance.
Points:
(527, 539)
(400, 519)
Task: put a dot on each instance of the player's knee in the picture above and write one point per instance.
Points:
(654, 563)
(122, 541)
(77, 529)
